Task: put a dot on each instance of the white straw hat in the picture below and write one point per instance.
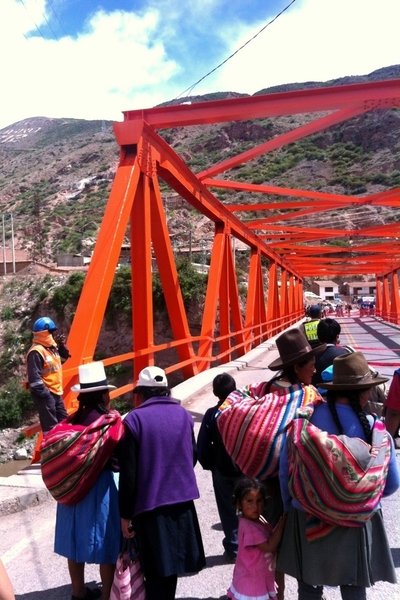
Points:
(92, 378)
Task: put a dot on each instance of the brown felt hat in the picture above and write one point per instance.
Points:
(293, 348)
(351, 372)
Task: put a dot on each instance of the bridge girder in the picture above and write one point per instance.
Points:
(281, 255)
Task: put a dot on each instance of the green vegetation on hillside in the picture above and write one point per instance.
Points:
(21, 306)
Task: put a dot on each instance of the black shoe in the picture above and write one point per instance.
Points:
(229, 557)
(91, 594)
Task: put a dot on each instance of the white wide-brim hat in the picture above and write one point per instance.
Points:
(92, 378)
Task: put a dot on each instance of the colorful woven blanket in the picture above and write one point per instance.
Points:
(72, 456)
(253, 427)
(338, 480)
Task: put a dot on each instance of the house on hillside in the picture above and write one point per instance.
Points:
(10, 263)
(359, 288)
(327, 290)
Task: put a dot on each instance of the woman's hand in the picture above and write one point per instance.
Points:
(127, 529)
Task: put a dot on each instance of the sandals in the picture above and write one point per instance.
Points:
(91, 594)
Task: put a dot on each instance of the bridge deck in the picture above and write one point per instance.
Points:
(27, 536)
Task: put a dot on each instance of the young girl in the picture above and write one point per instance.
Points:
(254, 572)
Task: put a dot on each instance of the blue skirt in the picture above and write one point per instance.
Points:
(90, 531)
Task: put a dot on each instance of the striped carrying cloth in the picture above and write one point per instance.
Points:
(338, 480)
(253, 426)
(128, 582)
(72, 456)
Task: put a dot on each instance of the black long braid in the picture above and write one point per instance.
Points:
(289, 373)
(92, 399)
(353, 396)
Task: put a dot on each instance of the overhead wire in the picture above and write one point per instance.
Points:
(46, 20)
(189, 89)
(48, 24)
(56, 16)
(33, 21)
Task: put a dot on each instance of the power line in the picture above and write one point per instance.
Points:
(56, 16)
(46, 20)
(48, 24)
(189, 89)
(37, 27)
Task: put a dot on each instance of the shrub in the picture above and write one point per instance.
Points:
(193, 285)
(8, 313)
(14, 403)
(120, 298)
(68, 293)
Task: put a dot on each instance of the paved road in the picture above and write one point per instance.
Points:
(26, 537)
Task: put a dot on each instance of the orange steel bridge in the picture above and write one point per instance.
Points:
(282, 252)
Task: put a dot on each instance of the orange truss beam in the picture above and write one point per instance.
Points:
(379, 94)
(279, 254)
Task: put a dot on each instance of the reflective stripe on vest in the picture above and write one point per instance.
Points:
(51, 370)
(311, 330)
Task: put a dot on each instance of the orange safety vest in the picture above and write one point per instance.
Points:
(310, 329)
(51, 371)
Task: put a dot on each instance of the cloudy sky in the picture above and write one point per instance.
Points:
(92, 59)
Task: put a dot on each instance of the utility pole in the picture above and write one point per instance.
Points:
(37, 229)
(4, 248)
(12, 243)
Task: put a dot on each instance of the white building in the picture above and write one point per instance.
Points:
(359, 288)
(327, 290)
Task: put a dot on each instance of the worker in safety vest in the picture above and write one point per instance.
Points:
(310, 327)
(44, 360)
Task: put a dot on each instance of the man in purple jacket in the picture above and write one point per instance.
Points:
(158, 485)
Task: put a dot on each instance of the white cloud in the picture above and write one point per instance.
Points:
(117, 64)
(121, 61)
(316, 40)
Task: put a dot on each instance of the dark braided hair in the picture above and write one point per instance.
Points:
(91, 399)
(148, 392)
(353, 396)
(289, 373)
(244, 486)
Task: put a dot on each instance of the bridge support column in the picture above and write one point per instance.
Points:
(273, 313)
(395, 299)
(385, 299)
(256, 315)
(379, 297)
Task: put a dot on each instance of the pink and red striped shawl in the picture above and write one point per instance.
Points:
(338, 480)
(253, 426)
(72, 456)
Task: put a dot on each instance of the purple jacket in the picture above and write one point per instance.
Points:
(157, 457)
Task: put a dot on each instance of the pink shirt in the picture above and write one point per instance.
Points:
(254, 572)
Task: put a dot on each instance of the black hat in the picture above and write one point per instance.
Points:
(293, 347)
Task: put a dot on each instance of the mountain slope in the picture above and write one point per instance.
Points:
(56, 174)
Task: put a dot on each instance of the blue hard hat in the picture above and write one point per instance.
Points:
(44, 324)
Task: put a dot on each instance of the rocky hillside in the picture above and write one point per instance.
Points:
(56, 174)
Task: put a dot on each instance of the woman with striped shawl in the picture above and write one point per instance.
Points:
(336, 465)
(254, 420)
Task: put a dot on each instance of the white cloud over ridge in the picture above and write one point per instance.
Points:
(120, 61)
(312, 43)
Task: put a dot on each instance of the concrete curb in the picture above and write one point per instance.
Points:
(22, 490)
(17, 499)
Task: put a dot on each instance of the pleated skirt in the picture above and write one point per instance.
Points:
(348, 556)
(169, 540)
(90, 531)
